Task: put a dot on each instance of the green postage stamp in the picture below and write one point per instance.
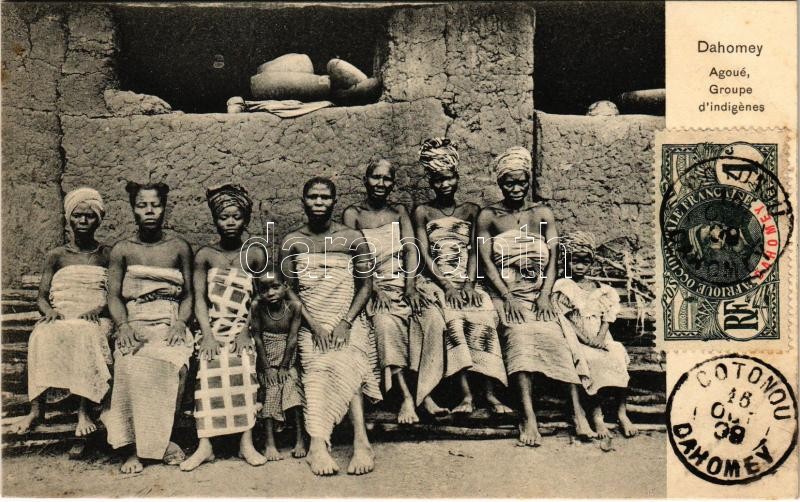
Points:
(725, 235)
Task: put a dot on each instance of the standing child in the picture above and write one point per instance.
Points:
(590, 308)
(276, 321)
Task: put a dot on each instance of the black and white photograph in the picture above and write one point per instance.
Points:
(318, 249)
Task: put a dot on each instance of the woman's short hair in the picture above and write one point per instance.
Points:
(134, 188)
(319, 180)
(374, 163)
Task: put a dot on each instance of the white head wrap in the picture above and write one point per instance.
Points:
(84, 194)
(514, 159)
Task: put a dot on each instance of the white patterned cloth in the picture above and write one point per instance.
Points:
(143, 398)
(72, 353)
(451, 340)
(226, 389)
(332, 378)
(585, 311)
(390, 328)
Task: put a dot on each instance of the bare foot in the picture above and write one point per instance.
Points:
(628, 429)
(299, 450)
(85, 425)
(497, 407)
(407, 415)
(363, 461)
(582, 429)
(464, 407)
(251, 456)
(600, 424)
(132, 465)
(174, 454)
(321, 462)
(433, 409)
(529, 434)
(25, 424)
(203, 453)
(272, 454)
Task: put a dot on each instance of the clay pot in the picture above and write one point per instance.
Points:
(298, 63)
(344, 75)
(647, 102)
(290, 85)
(365, 92)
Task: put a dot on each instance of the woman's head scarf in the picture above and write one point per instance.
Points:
(439, 155)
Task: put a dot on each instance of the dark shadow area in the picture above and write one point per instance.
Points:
(590, 51)
(196, 58)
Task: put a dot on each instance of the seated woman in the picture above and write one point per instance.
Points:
(394, 294)
(226, 392)
(460, 323)
(327, 264)
(589, 308)
(518, 241)
(68, 348)
(150, 300)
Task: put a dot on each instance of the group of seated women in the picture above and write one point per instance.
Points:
(385, 301)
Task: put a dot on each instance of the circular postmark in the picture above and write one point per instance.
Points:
(725, 223)
(732, 419)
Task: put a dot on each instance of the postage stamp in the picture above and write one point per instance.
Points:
(725, 250)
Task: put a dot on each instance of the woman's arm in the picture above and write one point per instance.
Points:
(410, 260)
(362, 276)
(116, 274)
(43, 298)
(543, 305)
(186, 264)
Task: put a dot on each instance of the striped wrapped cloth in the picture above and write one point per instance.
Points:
(390, 328)
(454, 339)
(283, 396)
(226, 389)
(71, 353)
(585, 312)
(534, 345)
(332, 378)
(142, 407)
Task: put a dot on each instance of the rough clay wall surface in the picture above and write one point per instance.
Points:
(596, 173)
(54, 62)
(477, 60)
(270, 157)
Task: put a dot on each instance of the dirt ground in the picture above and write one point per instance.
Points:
(442, 468)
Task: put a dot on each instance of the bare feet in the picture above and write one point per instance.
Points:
(407, 415)
(250, 455)
(464, 407)
(321, 462)
(628, 429)
(433, 409)
(582, 428)
(600, 423)
(174, 454)
(25, 424)
(529, 434)
(272, 454)
(363, 461)
(496, 406)
(85, 425)
(203, 453)
(132, 465)
(299, 450)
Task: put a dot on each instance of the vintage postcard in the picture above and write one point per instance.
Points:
(420, 250)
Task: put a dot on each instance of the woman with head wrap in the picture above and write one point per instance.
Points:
(518, 241)
(223, 282)
(589, 307)
(150, 299)
(387, 228)
(457, 330)
(68, 348)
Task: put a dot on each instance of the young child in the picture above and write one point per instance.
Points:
(590, 308)
(275, 323)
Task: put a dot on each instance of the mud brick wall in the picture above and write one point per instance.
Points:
(271, 157)
(597, 174)
(477, 60)
(56, 63)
